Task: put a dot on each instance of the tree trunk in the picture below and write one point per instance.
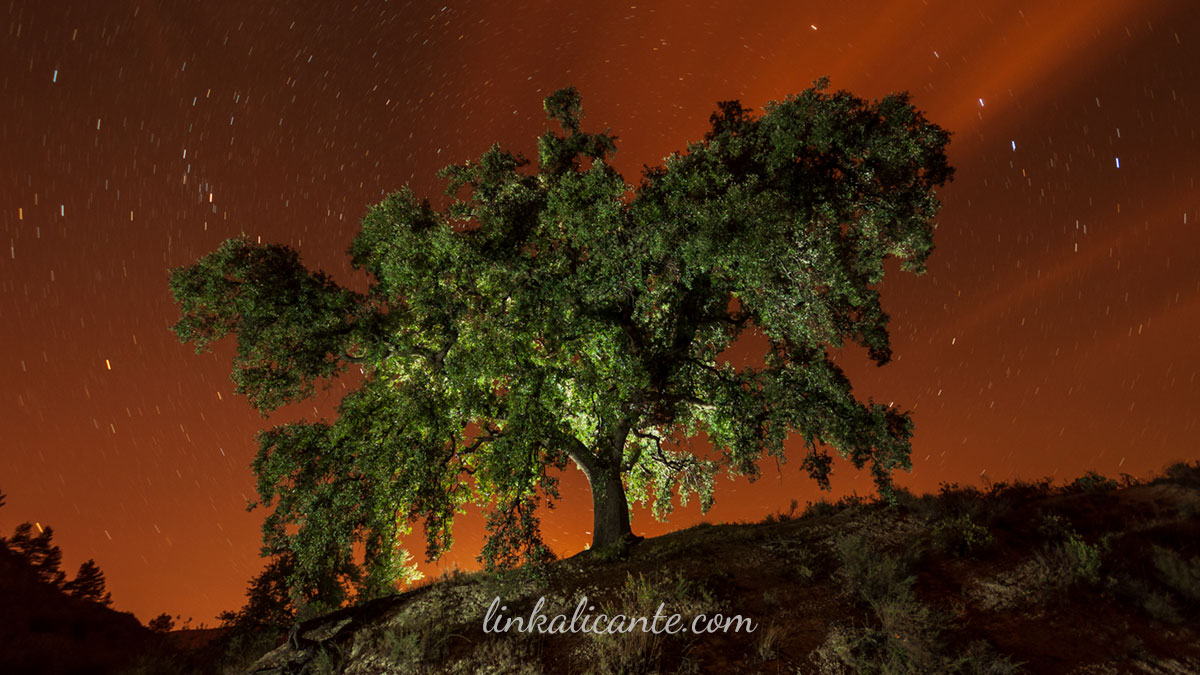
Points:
(610, 511)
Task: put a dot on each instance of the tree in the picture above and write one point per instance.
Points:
(557, 315)
(269, 603)
(44, 558)
(163, 623)
(88, 584)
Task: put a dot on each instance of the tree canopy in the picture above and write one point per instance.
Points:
(554, 314)
(89, 584)
(43, 557)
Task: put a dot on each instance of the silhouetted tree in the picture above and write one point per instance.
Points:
(558, 316)
(163, 623)
(43, 557)
(269, 601)
(89, 584)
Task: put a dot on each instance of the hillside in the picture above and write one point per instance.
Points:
(1092, 577)
(45, 631)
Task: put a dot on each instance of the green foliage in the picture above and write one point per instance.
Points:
(960, 536)
(556, 314)
(1083, 559)
(874, 576)
(421, 640)
(291, 325)
(1054, 527)
(1094, 482)
(327, 661)
(1068, 562)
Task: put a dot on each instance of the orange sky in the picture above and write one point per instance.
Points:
(1054, 333)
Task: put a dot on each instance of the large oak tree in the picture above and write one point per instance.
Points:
(555, 315)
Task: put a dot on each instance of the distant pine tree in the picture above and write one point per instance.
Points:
(44, 557)
(89, 584)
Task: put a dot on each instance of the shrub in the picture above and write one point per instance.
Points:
(872, 575)
(1093, 482)
(420, 636)
(1183, 473)
(980, 658)
(821, 507)
(1160, 607)
(954, 500)
(639, 651)
(1083, 558)
(327, 661)
(767, 646)
(783, 516)
(1054, 527)
(861, 651)
(1181, 576)
(960, 536)
(1067, 563)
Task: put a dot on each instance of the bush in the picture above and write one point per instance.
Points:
(872, 575)
(1160, 607)
(980, 658)
(1181, 576)
(954, 500)
(1083, 558)
(960, 536)
(1093, 482)
(859, 650)
(767, 646)
(1054, 527)
(1067, 563)
(783, 516)
(422, 638)
(1183, 473)
(639, 651)
(821, 507)
(163, 623)
(851, 650)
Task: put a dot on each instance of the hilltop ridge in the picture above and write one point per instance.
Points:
(1096, 576)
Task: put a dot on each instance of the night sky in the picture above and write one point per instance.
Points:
(1056, 331)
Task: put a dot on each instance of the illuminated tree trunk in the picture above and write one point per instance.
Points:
(610, 510)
